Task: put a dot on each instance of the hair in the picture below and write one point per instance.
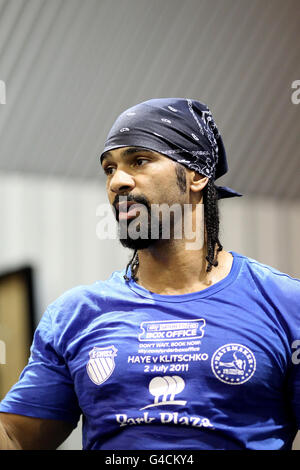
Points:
(212, 223)
(211, 220)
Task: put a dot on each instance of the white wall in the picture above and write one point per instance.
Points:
(51, 224)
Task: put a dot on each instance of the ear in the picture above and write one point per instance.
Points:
(197, 181)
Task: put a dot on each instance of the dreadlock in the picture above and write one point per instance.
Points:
(212, 223)
(133, 263)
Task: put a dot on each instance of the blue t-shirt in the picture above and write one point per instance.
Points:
(214, 369)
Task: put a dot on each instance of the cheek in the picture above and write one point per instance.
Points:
(111, 197)
(170, 194)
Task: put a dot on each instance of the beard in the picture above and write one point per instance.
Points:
(137, 244)
(150, 225)
(144, 230)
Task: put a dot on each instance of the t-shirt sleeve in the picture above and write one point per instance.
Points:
(45, 388)
(293, 318)
(295, 379)
(285, 293)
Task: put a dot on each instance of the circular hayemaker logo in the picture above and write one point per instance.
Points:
(233, 364)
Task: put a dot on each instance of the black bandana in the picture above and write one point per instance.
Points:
(180, 128)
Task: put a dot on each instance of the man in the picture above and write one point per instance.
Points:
(190, 346)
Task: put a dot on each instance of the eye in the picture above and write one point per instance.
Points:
(138, 162)
(141, 159)
(107, 170)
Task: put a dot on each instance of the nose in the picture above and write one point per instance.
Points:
(121, 182)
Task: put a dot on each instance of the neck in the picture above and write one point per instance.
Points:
(167, 268)
(178, 265)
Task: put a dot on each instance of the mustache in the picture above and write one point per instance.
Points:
(139, 199)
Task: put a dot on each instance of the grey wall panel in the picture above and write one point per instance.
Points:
(71, 67)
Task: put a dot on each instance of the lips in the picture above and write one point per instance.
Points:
(123, 206)
(128, 210)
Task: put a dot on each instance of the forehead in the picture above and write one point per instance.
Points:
(127, 151)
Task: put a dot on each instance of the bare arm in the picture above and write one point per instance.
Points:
(6, 440)
(24, 433)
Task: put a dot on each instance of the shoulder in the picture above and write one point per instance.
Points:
(274, 287)
(85, 298)
(71, 314)
(269, 275)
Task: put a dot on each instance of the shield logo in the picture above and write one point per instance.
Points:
(101, 364)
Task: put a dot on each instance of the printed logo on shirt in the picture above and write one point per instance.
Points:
(164, 390)
(233, 364)
(172, 330)
(101, 364)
